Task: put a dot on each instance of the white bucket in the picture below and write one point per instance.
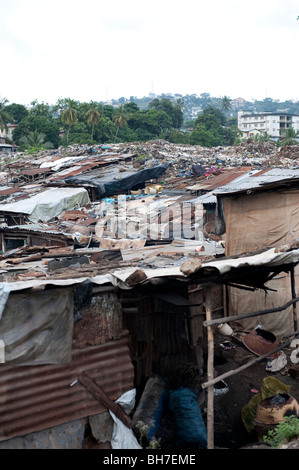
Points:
(224, 329)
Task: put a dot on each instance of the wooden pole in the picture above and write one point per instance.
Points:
(252, 314)
(210, 374)
(293, 287)
(212, 382)
(100, 395)
(148, 303)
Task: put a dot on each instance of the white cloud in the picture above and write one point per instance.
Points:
(91, 49)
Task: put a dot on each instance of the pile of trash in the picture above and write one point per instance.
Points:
(182, 157)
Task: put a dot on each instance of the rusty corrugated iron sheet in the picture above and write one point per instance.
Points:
(89, 165)
(101, 322)
(222, 179)
(35, 171)
(73, 171)
(39, 397)
(8, 191)
(73, 214)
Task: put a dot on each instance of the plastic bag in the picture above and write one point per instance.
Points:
(270, 388)
(122, 436)
(187, 413)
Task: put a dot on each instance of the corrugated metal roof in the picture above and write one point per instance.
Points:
(214, 181)
(258, 180)
(208, 198)
(8, 191)
(38, 397)
(35, 171)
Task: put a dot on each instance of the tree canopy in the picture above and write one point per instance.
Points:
(70, 121)
(5, 116)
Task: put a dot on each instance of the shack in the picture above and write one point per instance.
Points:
(119, 326)
(256, 213)
(86, 317)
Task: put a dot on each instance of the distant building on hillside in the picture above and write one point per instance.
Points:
(250, 123)
(195, 111)
(237, 103)
(7, 135)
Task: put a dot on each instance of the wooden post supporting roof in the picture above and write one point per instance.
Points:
(210, 374)
(293, 288)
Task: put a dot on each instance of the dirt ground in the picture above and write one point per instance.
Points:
(229, 430)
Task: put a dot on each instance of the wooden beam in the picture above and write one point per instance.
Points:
(100, 395)
(212, 382)
(210, 376)
(251, 314)
(293, 288)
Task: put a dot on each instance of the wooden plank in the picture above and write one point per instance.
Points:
(210, 375)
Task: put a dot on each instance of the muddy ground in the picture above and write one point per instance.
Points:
(229, 430)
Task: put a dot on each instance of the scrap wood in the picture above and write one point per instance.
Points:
(35, 257)
(100, 395)
(73, 272)
(136, 277)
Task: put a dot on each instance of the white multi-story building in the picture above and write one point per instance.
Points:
(274, 124)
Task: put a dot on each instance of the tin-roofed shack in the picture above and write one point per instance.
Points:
(128, 309)
(259, 212)
(119, 325)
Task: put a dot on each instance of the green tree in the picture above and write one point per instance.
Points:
(225, 103)
(43, 125)
(5, 116)
(120, 119)
(69, 116)
(105, 131)
(178, 137)
(35, 140)
(289, 137)
(211, 117)
(131, 107)
(17, 111)
(40, 109)
(201, 136)
(179, 111)
(264, 137)
(93, 115)
(174, 111)
(149, 124)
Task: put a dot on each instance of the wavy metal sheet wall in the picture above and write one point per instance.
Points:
(33, 398)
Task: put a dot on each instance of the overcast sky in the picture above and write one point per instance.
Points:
(97, 50)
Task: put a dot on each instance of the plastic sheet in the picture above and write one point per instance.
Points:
(123, 437)
(191, 427)
(4, 294)
(114, 182)
(45, 205)
(270, 387)
(37, 328)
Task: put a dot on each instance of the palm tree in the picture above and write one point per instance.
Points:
(265, 137)
(120, 119)
(93, 116)
(5, 117)
(225, 103)
(289, 137)
(180, 105)
(35, 139)
(69, 116)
